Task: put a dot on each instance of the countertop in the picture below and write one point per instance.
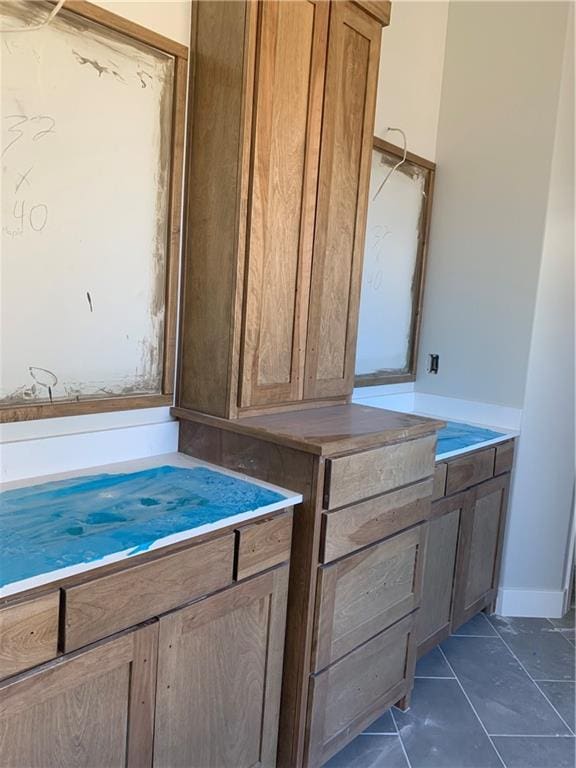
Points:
(57, 526)
(457, 438)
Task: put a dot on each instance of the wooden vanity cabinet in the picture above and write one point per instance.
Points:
(281, 112)
(90, 708)
(195, 684)
(465, 537)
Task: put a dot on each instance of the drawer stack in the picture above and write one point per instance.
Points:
(369, 587)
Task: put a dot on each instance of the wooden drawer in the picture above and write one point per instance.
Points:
(370, 473)
(440, 473)
(349, 695)
(470, 470)
(99, 608)
(263, 545)
(364, 593)
(349, 528)
(28, 633)
(504, 458)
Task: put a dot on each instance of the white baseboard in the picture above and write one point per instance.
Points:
(546, 604)
(62, 453)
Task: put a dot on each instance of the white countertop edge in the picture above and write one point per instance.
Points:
(174, 459)
(115, 557)
(477, 446)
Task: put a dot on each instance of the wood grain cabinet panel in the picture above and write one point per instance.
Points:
(434, 616)
(28, 633)
(93, 708)
(219, 678)
(350, 528)
(263, 545)
(111, 603)
(286, 140)
(364, 593)
(345, 157)
(480, 548)
(370, 473)
(350, 694)
(504, 458)
(439, 481)
(470, 470)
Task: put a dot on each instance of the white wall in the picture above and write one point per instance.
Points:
(495, 136)
(56, 445)
(410, 76)
(541, 504)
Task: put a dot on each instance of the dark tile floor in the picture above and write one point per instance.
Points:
(497, 694)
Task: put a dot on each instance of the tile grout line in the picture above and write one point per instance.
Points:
(431, 677)
(532, 736)
(400, 737)
(534, 681)
(473, 708)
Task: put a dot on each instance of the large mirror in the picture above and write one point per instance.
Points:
(399, 211)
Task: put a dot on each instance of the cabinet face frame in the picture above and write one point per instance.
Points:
(419, 277)
(463, 610)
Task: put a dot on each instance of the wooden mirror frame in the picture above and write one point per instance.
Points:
(28, 411)
(384, 377)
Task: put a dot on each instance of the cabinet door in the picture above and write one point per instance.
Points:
(92, 708)
(219, 678)
(433, 622)
(288, 108)
(480, 548)
(346, 149)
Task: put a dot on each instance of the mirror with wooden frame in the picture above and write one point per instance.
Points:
(394, 266)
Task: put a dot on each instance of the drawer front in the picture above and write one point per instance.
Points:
(350, 694)
(370, 473)
(351, 528)
(28, 634)
(263, 545)
(504, 458)
(440, 473)
(364, 593)
(470, 470)
(99, 608)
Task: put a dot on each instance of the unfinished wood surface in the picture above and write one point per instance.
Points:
(350, 528)
(366, 592)
(439, 566)
(217, 146)
(379, 9)
(480, 548)
(263, 545)
(504, 458)
(440, 473)
(286, 137)
(361, 475)
(324, 431)
(470, 470)
(219, 678)
(354, 691)
(93, 708)
(28, 633)
(346, 148)
(98, 608)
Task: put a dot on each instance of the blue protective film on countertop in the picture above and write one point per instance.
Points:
(455, 436)
(66, 522)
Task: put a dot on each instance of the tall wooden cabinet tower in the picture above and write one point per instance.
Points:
(281, 115)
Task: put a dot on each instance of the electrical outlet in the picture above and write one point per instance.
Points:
(433, 363)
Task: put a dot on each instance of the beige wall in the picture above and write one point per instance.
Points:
(168, 17)
(410, 76)
(495, 137)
